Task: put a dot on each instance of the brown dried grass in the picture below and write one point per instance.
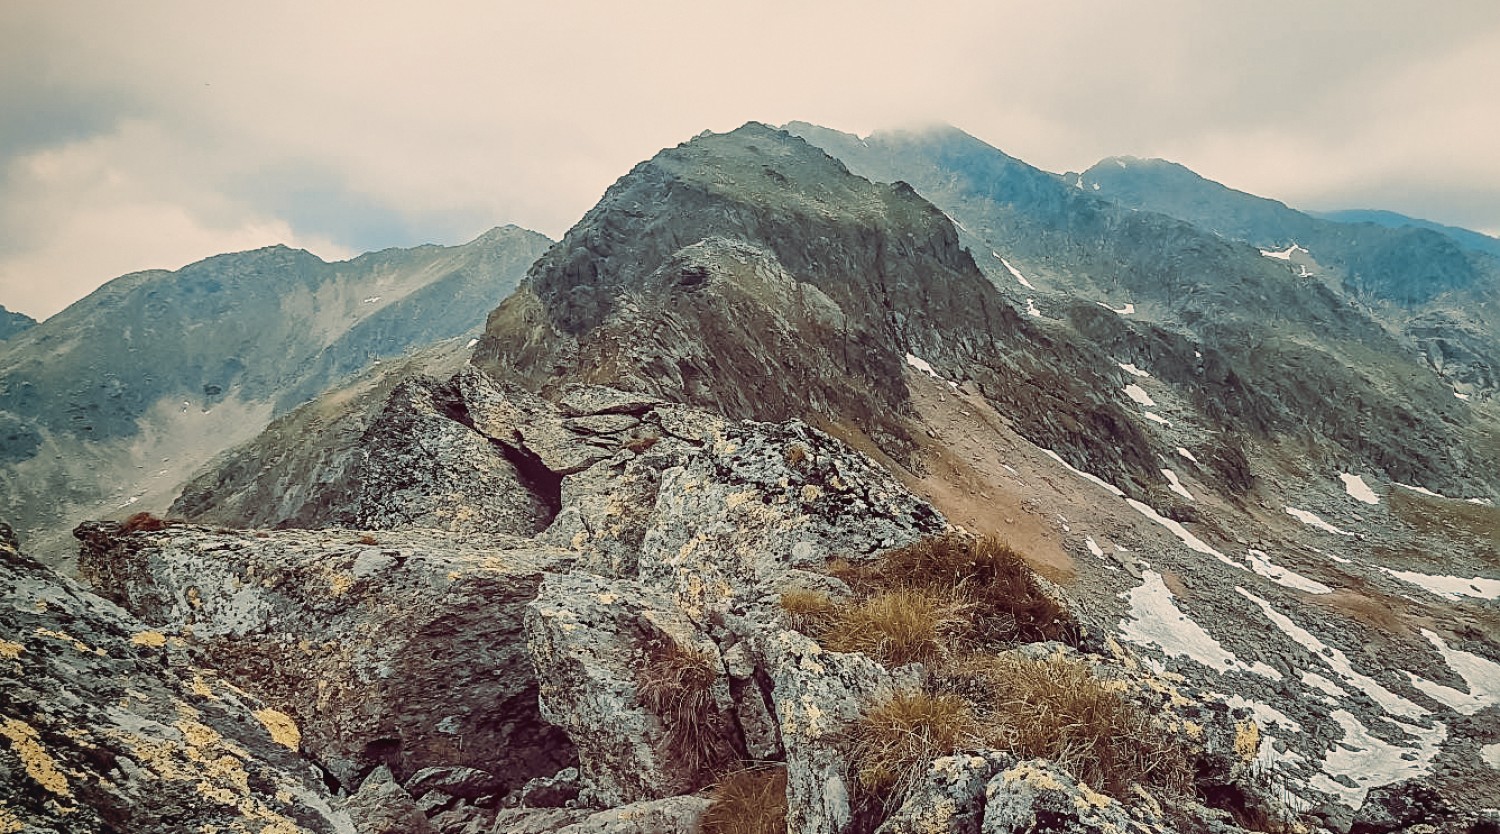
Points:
(751, 801)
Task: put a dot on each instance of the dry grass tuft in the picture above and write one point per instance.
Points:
(367, 539)
(810, 612)
(796, 455)
(906, 625)
(676, 684)
(895, 741)
(144, 523)
(748, 802)
(1057, 709)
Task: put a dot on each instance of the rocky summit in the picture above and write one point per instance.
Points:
(813, 483)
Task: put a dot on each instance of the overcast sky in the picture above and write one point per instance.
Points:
(151, 134)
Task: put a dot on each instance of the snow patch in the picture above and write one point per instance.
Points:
(1358, 489)
(1370, 762)
(372, 299)
(1031, 309)
(1285, 577)
(1490, 753)
(1124, 311)
(1187, 455)
(1459, 394)
(1285, 254)
(1485, 502)
(1013, 271)
(1192, 541)
(1137, 393)
(921, 365)
(472, 342)
(1450, 587)
(1093, 546)
(1312, 519)
(1264, 714)
(1156, 418)
(1318, 682)
(1130, 368)
(1480, 674)
(1336, 660)
(1155, 620)
(1176, 485)
(1094, 479)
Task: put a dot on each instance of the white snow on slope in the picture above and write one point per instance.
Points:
(1156, 418)
(1094, 479)
(372, 299)
(1429, 493)
(1285, 254)
(1336, 660)
(1480, 674)
(1187, 455)
(1460, 395)
(1124, 311)
(1093, 546)
(1370, 762)
(1176, 485)
(1137, 393)
(1130, 368)
(1192, 541)
(1031, 309)
(1155, 620)
(1450, 587)
(472, 342)
(1317, 681)
(921, 365)
(1285, 577)
(1264, 715)
(1358, 489)
(1312, 519)
(1013, 271)
(1490, 753)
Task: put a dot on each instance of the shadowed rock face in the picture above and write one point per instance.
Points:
(405, 652)
(109, 725)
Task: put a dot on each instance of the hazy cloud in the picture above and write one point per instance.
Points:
(150, 135)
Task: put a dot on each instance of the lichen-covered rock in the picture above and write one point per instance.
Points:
(950, 799)
(593, 642)
(109, 725)
(1401, 806)
(816, 695)
(763, 498)
(404, 650)
(1037, 796)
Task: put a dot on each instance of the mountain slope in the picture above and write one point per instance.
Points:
(109, 404)
(1438, 290)
(751, 273)
(1467, 238)
(12, 323)
(1254, 348)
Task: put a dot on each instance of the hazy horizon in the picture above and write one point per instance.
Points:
(142, 137)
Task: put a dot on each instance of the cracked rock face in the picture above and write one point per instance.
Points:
(109, 724)
(404, 651)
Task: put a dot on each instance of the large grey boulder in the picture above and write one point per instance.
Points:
(594, 642)
(404, 650)
(950, 799)
(110, 725)
(1036, 795)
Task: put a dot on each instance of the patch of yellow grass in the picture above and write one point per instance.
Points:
(748, 802)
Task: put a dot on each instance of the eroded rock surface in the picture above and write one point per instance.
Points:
(111, 725)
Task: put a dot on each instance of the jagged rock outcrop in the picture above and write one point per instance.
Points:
(403, 651)
(111, 725)
(752, 274)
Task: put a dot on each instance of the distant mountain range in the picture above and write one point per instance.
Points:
(108, 405)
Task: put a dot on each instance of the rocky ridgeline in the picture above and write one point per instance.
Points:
(594, 662)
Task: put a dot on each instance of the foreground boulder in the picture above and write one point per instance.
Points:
(110, 725)
(404, 651)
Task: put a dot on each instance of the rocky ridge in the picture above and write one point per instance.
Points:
(499, 683)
